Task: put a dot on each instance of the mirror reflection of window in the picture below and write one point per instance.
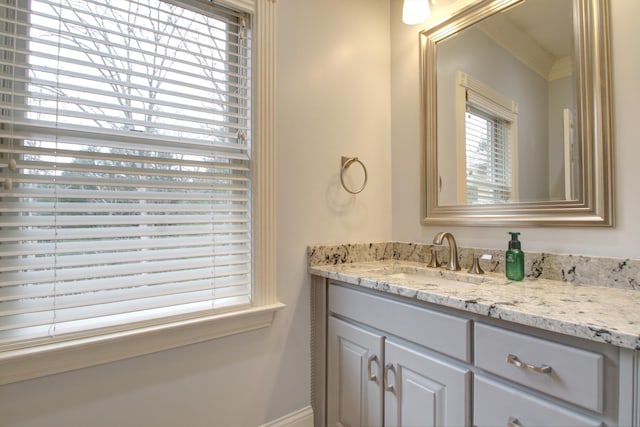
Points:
(487, 143)
(488, 164)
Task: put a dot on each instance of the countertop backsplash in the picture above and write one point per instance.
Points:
(578, 269)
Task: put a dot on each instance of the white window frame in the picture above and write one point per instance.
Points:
(22, 364)
(490, 100)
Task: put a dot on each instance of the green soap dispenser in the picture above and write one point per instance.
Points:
(514, 257)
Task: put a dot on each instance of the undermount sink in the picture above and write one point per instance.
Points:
(430, 276)
(428, 280)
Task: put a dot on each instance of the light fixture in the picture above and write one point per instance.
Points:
(415, 11)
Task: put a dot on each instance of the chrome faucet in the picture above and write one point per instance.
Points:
(453, 249)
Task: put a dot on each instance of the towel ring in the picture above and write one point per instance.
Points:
(346, 163)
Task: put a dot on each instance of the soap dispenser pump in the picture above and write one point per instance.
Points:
(514, 258)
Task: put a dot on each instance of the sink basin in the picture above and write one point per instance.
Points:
(432, 276)
(427, 280)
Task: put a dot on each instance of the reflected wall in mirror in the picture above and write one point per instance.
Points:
(516, 102)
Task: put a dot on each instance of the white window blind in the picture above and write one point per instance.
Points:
(126, 155)
(488, 158)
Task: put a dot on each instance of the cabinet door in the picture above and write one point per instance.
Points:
(354, 375)
(424, 391)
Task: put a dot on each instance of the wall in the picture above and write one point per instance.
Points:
(333, 97)
(620, 241)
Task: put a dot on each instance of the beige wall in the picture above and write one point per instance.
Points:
(621, 241)
(332, 99)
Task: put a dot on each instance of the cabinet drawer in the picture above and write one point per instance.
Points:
(496, 404)
(575, 375)
(438, 331)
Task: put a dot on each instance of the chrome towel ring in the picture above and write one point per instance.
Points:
(346, 163)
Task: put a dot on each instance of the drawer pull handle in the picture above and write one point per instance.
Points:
(513, 360)
(370, 360)
(513, 422)
(388, 387)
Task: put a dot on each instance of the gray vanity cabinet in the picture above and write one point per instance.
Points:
(376, 377)
(381, 361)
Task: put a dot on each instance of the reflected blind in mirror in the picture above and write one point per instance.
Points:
(488, 164)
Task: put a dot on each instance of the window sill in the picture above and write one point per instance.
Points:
(19, 365)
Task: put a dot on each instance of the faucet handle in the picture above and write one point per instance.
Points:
(486, 257)
(434, 263)
(475, 264)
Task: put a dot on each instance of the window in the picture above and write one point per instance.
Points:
(127, 167)
(487, 142)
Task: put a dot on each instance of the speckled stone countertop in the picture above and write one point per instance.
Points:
(609, 313)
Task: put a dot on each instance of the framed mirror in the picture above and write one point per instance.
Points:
(516, 103)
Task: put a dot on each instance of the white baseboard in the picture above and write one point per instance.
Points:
(301, 418)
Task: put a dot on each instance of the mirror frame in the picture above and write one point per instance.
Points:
(594, 127)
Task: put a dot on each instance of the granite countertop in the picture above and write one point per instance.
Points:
(598, 313)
